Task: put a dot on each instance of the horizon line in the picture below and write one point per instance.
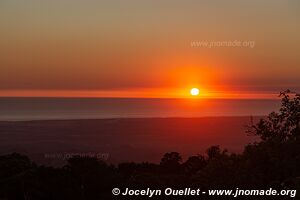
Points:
(136, 94)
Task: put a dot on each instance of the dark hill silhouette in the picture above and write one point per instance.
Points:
(272, 162)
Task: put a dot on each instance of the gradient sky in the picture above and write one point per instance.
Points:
(143, 48)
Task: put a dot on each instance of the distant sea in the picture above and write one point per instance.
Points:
(18, 109)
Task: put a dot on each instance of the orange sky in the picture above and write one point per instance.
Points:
(143, 48)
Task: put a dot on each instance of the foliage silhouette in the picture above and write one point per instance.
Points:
(274, 162)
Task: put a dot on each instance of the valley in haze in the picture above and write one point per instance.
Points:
(52, 142)
(50, 130)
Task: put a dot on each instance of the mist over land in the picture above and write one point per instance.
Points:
(120, 140)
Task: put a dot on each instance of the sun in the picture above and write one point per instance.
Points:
(194, 91)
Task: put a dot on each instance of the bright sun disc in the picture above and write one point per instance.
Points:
(195, 91)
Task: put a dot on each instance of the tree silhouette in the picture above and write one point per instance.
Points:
(215, 152)
(274, 161)
(171, 162)
(194, 164)
(283, 125)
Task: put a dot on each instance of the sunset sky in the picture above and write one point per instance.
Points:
(139, 48)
